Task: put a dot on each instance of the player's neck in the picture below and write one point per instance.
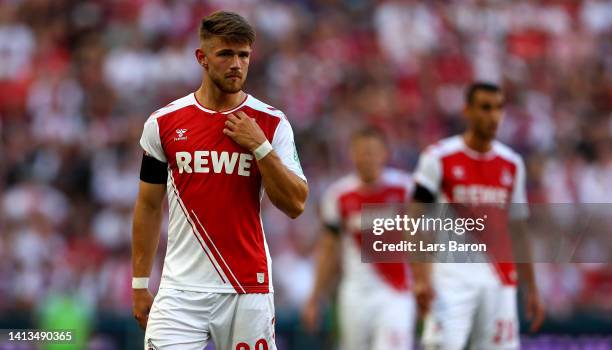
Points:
(369, 182)
(475, 143)
(213, 98)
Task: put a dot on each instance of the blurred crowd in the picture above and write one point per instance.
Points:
(79, 78)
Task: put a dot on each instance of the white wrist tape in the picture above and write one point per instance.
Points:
(140, 282)
(263, 150)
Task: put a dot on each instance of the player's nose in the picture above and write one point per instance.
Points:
(235, 64)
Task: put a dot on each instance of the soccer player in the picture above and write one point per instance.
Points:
(477, 301)
(213, 152)
(376, 307)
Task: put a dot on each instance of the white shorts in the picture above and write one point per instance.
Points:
(380, 320)
(485, 316)
(184, 320)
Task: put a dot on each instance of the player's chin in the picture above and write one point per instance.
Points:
(232, 87)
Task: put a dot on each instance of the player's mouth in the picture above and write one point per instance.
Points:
(233, 76)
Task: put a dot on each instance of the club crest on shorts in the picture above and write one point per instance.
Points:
(260, 277)
(150, 345)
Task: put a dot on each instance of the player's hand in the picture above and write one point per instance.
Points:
(423, 294)
(534, 310)
(310, 315)
(244, 130)
(142, 301)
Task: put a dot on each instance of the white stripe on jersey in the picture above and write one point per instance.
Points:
(195, 232)
(217, 250)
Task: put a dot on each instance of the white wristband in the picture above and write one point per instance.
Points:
(263, 150)
(140, 282)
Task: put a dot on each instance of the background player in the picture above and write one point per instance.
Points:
(477, 299)
(376, 305)
(210, 150)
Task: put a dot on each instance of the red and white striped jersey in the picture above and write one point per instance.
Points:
(216, 241)
(458, 174)
(341, 207)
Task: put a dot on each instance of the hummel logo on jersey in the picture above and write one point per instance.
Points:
(458, 172)
(180, 134)
(203, 161)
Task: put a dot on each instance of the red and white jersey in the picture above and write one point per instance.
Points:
(216, 241)
(341, 207)
(458, 174)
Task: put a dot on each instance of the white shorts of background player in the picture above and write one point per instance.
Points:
(471, 307)
(378, 319)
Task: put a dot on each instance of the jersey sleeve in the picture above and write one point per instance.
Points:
(428, 172)
(150, 140)
(519, 208)
(330, 212)
(284, 145)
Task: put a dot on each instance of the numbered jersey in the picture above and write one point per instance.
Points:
(216, 241)
(341, 208)
(457, 174)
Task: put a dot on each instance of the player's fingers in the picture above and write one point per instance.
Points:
(233, 118)
(538, 319)
(229, 132)
(140, 319)
(241, 114)
(230, 125)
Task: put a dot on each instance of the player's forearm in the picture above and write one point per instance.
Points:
(145, 238)
(286, 190)
(328, 259)
(526, 276)
(522, 254)
(421, 272)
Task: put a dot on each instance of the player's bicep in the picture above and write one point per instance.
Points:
(150, 196)
(330, 213)
(428, 173)
(284, 145)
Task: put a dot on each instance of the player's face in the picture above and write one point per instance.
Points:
(485, 113)
(227, 63)
(369, 155)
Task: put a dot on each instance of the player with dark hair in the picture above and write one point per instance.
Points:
(476, 302)
(214, 152)
(376, 308)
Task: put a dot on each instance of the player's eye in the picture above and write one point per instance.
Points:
(244, 55)
(486, 107)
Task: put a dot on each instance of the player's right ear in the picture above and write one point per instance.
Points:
(201, 58)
